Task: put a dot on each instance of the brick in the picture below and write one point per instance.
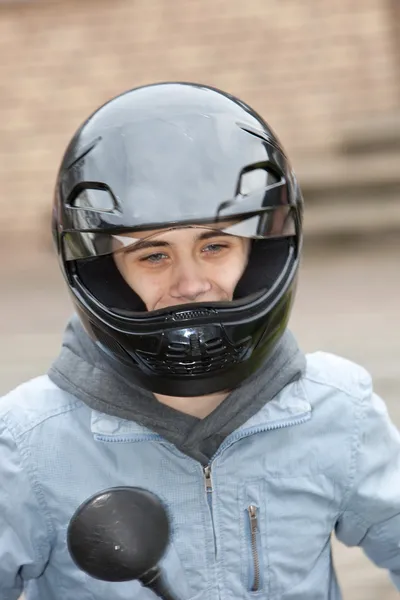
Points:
(309, 67)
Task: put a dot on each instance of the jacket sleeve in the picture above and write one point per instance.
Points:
(24, 546)
(371, 515)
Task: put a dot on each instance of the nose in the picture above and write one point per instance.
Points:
(189, 281)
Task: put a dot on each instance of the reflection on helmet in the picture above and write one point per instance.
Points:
(162, 157)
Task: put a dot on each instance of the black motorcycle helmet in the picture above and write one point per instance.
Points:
(172, 155)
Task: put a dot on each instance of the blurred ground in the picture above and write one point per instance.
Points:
(348, 303)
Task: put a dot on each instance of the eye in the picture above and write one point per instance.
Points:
(154, 258)
(214, 248)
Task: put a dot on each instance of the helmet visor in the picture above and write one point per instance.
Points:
(273, 223)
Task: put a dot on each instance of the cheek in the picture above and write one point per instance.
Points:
(227, 275)
(240, 263)
(130, 274)
(147, 286)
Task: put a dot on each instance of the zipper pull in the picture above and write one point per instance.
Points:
(253, 518)
(207, 479)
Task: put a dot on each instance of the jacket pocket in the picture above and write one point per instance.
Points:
(296, 518)
(291, 535)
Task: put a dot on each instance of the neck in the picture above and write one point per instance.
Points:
(195, 406)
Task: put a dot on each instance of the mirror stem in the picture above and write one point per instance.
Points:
(154, 580)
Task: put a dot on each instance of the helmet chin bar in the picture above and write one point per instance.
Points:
(192, 361)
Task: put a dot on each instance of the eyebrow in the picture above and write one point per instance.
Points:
(146, 244)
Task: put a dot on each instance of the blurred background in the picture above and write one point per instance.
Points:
(326, 75)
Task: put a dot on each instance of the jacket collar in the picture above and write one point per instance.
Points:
(290, 407)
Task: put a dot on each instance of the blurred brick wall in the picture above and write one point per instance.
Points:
(307, 65)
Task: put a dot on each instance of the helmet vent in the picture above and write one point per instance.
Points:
(195, 356)
(192, 314)
(94, 199)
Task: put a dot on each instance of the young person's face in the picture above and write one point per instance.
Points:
(177, 266)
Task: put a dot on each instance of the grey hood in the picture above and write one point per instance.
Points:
(83, 370)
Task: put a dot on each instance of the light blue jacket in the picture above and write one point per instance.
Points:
(322, 457)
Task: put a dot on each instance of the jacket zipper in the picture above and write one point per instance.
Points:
(207, 481)
(253, 519)
(209, 488)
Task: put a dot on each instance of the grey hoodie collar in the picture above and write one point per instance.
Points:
(82, 370)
